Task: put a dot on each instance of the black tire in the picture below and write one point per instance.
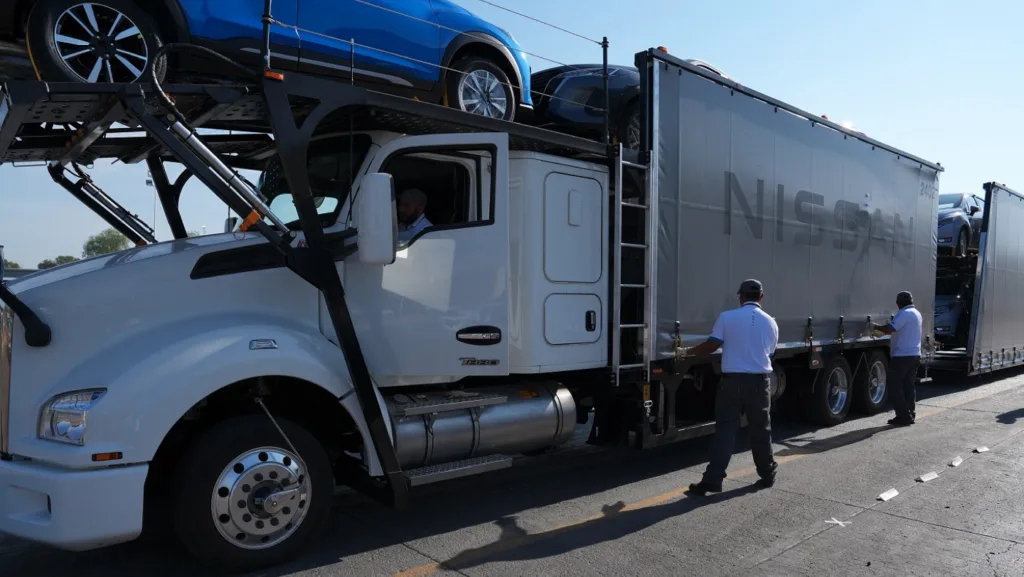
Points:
(46, 55)
(198, 472)
(870, 387)
(777, 388)
(464, 67)
(819, 403)
(962, 241)
(627, 131)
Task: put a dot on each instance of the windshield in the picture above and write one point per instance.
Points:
(950, 200)
(331, 164)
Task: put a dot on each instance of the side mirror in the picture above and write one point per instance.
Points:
(973, 210)
(376, 219)
(230, 223)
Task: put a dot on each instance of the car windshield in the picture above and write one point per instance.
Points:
(950, 200)
(331, 164)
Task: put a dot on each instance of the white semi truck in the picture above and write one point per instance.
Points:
(226, 384)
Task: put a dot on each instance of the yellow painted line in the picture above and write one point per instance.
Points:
(508, 544)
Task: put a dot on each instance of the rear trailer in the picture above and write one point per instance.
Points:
(730, 184)
(990, 292)
(833, 223)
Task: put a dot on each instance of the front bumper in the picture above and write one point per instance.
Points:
(73, 510)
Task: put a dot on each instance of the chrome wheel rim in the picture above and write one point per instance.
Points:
(876, 382)
(838, 391)
(633, 132)
(480, 92)
(261, 498)
(98, 43)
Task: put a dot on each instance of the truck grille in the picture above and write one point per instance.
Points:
(6, 338)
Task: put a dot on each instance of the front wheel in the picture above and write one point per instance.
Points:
(245, 500)
(479, 86)
(961, 243)
(109, 41)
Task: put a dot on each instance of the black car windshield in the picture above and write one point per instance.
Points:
(331, 163)
(947, 286)
(950, 200)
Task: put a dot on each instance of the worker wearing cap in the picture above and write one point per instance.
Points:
(747, 337)
(904, 358)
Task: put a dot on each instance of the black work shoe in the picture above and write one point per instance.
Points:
(704, 487)
(901, 422)
(767, 482)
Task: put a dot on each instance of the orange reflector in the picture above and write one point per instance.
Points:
(273, 75)
(249, 221)
(140, 243)
(657, 370)
(663, 49)
(647, 391)
(115, 456)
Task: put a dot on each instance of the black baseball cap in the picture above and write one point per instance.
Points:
(750, 286)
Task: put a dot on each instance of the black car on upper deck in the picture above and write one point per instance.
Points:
(569, 99)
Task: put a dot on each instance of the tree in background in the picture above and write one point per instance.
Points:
(105, 242)
(52, 262)
(10, 264)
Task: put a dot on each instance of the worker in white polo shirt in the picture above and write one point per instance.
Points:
(411, 206)
(747, 337)
(904, 358)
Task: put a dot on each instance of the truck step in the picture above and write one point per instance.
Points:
(456, 469)
(406, 406)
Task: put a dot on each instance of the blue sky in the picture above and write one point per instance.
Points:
(940, 79)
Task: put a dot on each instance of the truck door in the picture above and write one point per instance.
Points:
(441, 310)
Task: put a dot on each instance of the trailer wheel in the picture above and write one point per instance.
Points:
(109, 41)
(245, 500)
(830, 399)
(870, 388)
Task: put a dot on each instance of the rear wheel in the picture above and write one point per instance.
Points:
(829, 402)
(479, 86)
(108, 41)
(245, 499)
(870, 388)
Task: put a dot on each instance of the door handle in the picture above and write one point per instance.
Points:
(591, 321)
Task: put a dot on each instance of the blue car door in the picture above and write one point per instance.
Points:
(235, 28)
(396, 42)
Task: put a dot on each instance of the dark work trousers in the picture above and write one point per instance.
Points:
(902, 388)
(750, 393)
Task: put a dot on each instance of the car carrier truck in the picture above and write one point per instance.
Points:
(980, 326)
(226, 384)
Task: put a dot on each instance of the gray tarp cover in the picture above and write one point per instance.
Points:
(832, 225)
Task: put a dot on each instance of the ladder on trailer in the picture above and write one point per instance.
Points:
(633, 325)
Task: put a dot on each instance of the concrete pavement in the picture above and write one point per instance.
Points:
(590, 511)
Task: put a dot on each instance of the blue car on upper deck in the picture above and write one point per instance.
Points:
(433, 50)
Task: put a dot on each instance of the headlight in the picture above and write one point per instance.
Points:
(63, 418)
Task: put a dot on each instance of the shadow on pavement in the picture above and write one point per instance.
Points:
(1010, 417)
(614, 522)
(359, 526)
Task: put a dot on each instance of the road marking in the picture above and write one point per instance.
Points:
(512, 543)
(927, 477)
(981, 449)
(956, 462)
(888, 494)
(835, 521)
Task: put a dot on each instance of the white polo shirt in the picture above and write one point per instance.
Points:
(405, 233)
(906, 337)
(749, 337)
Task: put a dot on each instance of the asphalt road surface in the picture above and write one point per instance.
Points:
(592, 511)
